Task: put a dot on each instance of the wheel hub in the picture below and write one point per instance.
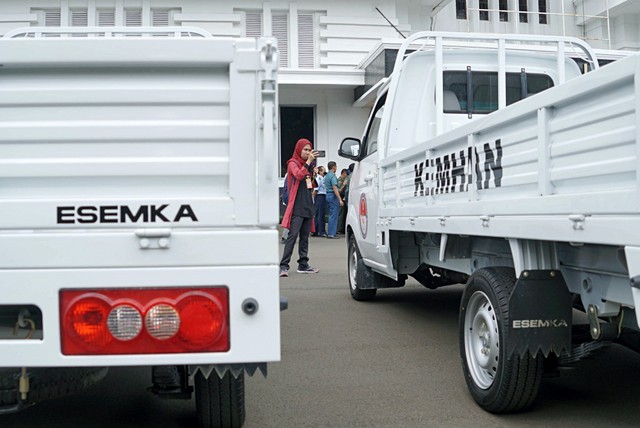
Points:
(482, 340)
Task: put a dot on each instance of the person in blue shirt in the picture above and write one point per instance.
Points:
(334, 200)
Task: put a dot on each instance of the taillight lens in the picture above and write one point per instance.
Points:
(124, 322)
(202, 319)
(162, 321)
(148, 321)
(87, 317)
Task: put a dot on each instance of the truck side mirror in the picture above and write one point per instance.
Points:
(350, 148)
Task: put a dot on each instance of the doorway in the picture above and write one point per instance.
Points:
(295, 122)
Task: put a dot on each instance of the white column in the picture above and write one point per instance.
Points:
(119, 17)
(293, 35)
(91, 13)
(266, 18)
(494, 15)
(146, 13)
(472, 15)
(64, 13)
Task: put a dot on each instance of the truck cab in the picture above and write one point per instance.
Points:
(448, 82)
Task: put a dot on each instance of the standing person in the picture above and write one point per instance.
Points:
(334, 200)
(298, 217)
(321, 204)
(343, 188)
(285, 232)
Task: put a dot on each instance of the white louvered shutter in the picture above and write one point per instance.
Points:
(106, 18)
(78, 17)
(133, 17)
(253, 24)
(306, 40)
(52, 18)
(160, 17)
(280, 30)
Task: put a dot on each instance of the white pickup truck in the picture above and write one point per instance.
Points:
(138, 204)
(490, 160)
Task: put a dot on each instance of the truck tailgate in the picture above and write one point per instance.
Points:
(130, 134)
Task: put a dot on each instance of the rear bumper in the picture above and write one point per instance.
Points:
(254, 338)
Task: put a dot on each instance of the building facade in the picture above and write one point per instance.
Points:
(605, 24)
(333, 52)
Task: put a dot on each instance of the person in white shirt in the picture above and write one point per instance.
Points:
(321, 203)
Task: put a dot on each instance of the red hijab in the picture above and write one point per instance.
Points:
(292, 185)
(297, 152)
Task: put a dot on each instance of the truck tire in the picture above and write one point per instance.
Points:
(498, 383)
(359, 274)
(46, 383)
(220, 402)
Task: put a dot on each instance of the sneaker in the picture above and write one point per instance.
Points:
(333, 237)
(307, 269)
(284, 273)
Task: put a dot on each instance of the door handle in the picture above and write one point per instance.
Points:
(368, 179)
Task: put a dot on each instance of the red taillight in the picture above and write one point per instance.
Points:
(149, 321)
(87, 319)
(202, 319)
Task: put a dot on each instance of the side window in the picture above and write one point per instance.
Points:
(483, 93)
(483, 96)
(371, 139)
(372, 135)
(522, 85)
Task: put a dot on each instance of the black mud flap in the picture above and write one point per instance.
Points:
(539, 314)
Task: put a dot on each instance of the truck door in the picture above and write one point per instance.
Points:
(363, 193)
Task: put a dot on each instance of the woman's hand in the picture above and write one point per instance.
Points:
(313, 154)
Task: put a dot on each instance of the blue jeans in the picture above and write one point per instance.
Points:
(334, 206)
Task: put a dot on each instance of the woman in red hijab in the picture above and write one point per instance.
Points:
(298, 217)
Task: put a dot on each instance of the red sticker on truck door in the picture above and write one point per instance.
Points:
(364, 222)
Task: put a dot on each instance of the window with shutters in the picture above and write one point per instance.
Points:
(51, 17)
(106, 17)
(254, 27)
(253, 23)
(307, 40)
(160, 17)
(48, 18)
(133, 17)
(280, 30)
(78, 18)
